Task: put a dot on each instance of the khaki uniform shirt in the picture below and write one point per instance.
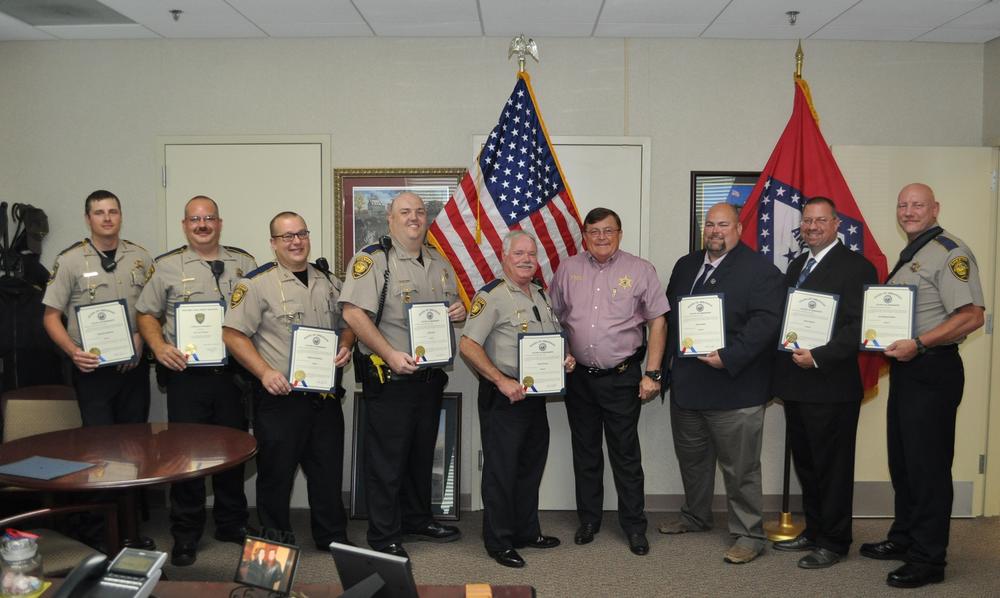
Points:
(266, 304)
(409, 282)
(947, 278)
(78, 279)
(182, 275)
(500, 311)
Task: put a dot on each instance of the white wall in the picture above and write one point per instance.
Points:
(76, 116)
(991, 93)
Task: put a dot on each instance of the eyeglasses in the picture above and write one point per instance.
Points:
(821, 221)
(602, 232)
(302, 235)
(200, 219)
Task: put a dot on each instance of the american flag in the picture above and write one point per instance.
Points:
(516, 183)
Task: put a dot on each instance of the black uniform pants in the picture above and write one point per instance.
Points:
(608, 404)
(823, 437)
(300, 429)
(107, 396)
(923, 402)
(515, 447)
(206, 396)
(401, 427)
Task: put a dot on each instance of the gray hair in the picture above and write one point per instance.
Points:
(515, 235)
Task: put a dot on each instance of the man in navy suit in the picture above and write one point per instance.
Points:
(822, 390)
(717, 400)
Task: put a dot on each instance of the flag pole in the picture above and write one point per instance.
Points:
(786, 528)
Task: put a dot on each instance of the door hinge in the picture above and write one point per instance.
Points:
(989, 324)
(993, 181)
(163, 176)
(480, 459)
(982, 464)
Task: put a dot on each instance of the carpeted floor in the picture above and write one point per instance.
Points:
(687, 565)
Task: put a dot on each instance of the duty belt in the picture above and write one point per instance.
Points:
(620, 368)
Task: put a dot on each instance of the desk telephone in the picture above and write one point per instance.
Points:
(132, 574)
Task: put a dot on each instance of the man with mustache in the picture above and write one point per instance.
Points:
(202, 270)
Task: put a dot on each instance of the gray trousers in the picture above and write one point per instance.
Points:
(732, 438)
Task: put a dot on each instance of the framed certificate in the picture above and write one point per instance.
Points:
(887, 315)
(105, 331)
(701, 324)
(198, 332)
(311, 366)
(808, 321)
(431, 340)
(540, 359)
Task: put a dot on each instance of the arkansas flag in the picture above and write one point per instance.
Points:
(515, 183)
(802, 166)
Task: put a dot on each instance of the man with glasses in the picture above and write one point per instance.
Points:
(293, 427)
(402, 402)
(202, 270)
(821, 389)
(606, 299)
(717, 400)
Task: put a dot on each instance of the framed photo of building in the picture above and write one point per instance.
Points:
(445, 475)
(362, 196)
(711, 187)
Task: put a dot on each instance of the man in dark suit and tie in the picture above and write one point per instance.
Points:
(822, 390)
(717, 400)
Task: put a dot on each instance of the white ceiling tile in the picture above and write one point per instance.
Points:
(647, 30)
(873, 33)
(99, 31)
(751, 31)
(986, 16)
(201, 18)
(961, 35)
(316, 29)
(298, 11)
(421, 17)
(813, 14)
(12, 29)
(565, 18)
(904, 13)
(676, 12)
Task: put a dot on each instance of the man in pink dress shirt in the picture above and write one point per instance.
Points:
(605, 299)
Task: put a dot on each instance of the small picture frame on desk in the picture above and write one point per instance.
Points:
(445, 493)
(268, 565)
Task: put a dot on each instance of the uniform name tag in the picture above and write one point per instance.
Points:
(89, 274)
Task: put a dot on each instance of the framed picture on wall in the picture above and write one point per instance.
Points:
(445, 476)
(362, 196)
(711, 187)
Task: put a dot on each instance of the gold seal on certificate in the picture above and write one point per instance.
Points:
(430, 334)
(105, 331)
(311, 364)
(701, 326)
(198, 332)
(540, 359)
(808, 321)
(887, 315)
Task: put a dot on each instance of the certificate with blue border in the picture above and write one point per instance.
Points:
(105, 331)
(198, 332)
(887, 315)
(701, 324)
(540, 357)
(808, 321)
(432, 341)
(312, 359)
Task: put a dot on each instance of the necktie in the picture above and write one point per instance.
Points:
(700, 283)
(810, 264)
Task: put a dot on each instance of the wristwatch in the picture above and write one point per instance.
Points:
(654, 375)
(921, 347)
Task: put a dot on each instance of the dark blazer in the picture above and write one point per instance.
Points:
(753, 295)
(842, 272)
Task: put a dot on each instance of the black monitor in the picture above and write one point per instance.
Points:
(369, 574)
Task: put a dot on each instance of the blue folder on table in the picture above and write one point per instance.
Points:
(43, 468)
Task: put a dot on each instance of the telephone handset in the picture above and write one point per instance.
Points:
(132, 574)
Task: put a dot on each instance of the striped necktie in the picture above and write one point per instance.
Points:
(700, 283)
(810, 264)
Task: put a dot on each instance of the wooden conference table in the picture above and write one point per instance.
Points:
(215, 589)
(129, 456)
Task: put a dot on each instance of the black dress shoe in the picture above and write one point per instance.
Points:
(795, 544)
(638, 543)
(235, 535)
(820, 558)
(540, 542)
(395, 549)
(507, 558)
(184, 554)
(915, 575)
(436, 532)
(886, 550)
(585, 533)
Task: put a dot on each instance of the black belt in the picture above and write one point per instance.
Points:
(940, 349)
(621, 368)
(213, 370)
(424, 375)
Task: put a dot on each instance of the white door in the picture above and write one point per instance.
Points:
(251, 179)
(962, 181)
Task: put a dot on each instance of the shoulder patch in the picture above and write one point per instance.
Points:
(372, 249)
(238, 250)
(152, 268)
(362, 265)
(491, 285)
(959, 266)
(948, 243)
(71, 247)
(174, 251)
(238, 294)
(477, 305)
(55, 268)
(261, 270)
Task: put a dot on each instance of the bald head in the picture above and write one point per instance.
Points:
(916, 209)
(408, 220)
